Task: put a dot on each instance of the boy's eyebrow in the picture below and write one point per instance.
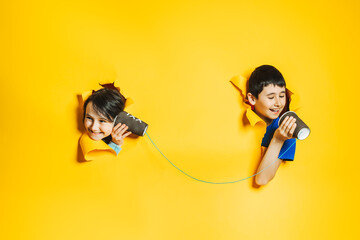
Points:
(275, 93)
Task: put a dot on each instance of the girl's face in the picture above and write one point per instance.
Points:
(97, 126)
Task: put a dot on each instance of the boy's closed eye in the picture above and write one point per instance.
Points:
(272, 97)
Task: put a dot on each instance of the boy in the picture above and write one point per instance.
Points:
(267, 97)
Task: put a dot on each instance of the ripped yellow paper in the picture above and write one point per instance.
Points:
(85, 95)
(94, 150)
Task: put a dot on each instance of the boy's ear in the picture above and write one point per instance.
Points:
(251, 98)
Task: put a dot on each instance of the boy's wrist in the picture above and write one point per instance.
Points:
(279, 141)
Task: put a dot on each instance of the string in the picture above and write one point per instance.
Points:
(204, 181)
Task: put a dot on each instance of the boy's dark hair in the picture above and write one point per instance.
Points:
(107, 102)
(263, 76)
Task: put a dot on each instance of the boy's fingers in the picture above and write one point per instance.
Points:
(292, 130)
(285, 123)
(291, 123)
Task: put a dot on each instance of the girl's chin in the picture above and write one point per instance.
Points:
(95, 137)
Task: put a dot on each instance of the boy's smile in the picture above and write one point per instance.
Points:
(270, 102)
(97, 126)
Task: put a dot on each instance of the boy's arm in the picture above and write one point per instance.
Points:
(283, 133)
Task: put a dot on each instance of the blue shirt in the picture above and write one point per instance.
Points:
(285, 154)
(115, 147)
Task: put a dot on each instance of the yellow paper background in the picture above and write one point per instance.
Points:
(175, 59)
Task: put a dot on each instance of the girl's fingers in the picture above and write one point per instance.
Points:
(126, 134)
(119, 128)
(121, 131)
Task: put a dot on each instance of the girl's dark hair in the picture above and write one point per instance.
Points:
(263, 76)
(107, 102)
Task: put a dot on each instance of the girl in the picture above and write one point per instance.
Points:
(100, 110)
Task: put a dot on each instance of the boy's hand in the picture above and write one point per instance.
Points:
(286, 129)
(119, 133)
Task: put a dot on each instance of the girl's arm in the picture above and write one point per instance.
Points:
(283, 133)
(115, 147)
(117, 136)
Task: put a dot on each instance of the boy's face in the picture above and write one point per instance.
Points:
(97, 126)
(270, 102)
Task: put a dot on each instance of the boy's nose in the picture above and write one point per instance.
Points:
(277, 102)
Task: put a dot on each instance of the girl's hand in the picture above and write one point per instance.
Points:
(286, 129)
(119, 133)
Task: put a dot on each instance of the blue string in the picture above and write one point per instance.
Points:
(209, 181)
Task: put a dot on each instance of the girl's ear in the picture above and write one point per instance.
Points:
(251, 98)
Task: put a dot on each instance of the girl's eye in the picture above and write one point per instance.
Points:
(271, 97)
(282, 96)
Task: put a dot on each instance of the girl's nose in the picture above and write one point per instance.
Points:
(94, 125)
